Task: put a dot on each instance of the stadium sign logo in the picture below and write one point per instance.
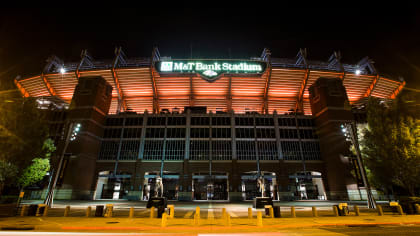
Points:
(211, 69)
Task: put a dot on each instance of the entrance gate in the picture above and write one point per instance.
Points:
(170, 186)
(214, 187)
(251, 186)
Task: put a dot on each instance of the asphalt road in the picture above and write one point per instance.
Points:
(355, 230)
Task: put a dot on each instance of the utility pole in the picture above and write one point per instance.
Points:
(352, 130)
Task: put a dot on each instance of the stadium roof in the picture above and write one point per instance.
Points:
(137, 86)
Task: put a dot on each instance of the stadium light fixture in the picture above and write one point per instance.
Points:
(75, 131)
(358, 72)
(62, 70)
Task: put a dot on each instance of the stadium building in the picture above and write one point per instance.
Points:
(209, 129)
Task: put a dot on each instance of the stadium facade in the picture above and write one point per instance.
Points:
(210, 129)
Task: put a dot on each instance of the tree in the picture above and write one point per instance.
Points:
(23, 131)
(39, 167)
(391, 143)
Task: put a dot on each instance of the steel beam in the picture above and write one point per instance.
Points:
(229, 96)
(48, 85)
(191, 96)
(121, 100)
(153, 80)
(299, 101)
(267, 81)
(397, 90)
(371, 86)
(21, 89)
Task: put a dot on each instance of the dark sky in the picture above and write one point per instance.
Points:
(390, 37)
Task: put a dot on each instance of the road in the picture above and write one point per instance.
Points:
(365, 230)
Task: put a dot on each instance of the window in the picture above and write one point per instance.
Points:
(199, 150)
(176, 121)
(200, 121)
(307, 134)
(264, 121)
(311, 150)
(291, 150)
(288, 134)
(112, 133)
(287, 122)
(220, 121)
(129, 150)
(244, 121)
(221, 150)
(175, 133)
(246, 150)
(114, 121)
(153, 149)
(221, 133)
(267, 150)
(245, 133)
(155, 132)
(158, 121)
(132, 133)
(266, 133)
(175, 150)
(199, 132)
(109, 150)
(134, 121)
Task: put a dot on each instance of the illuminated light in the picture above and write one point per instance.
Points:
(62, 70)
(358, 72)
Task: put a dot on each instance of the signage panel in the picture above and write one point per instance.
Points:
(211, 69)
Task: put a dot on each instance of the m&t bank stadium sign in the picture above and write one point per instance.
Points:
(211, 69)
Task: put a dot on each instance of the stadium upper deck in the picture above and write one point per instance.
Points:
(138, 85)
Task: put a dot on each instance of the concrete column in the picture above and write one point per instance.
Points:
(143, 136)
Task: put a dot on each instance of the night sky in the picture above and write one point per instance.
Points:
(390, 37)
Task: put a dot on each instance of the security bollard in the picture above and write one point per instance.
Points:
(171, 211)
(196, 219)
(314, 212)
(24, 209)
(380, 211)
(89, 211)
(223, 212)
(67, 211)
(259, 219)
(249, 213)
(400, 210)
(40, 209)
(109, 210)
(197, 211)
(228, 220)
(271, 212)
(417, 206)
(131, 214)
(45, 213)
(357, 210)
(293, 211)
(164, 222)
(335, 210)
(152, 212)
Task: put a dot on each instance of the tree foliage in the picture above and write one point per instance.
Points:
(391, 143)
(23, 131)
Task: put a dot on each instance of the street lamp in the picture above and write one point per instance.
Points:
(71, 135)
(350, 132)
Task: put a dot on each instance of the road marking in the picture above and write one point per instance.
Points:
(189, 214)
(233, 214)
(210, 214)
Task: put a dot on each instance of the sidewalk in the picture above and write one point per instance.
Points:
(177, 225)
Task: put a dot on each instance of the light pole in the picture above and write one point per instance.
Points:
(350, 130)
(71, 134)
